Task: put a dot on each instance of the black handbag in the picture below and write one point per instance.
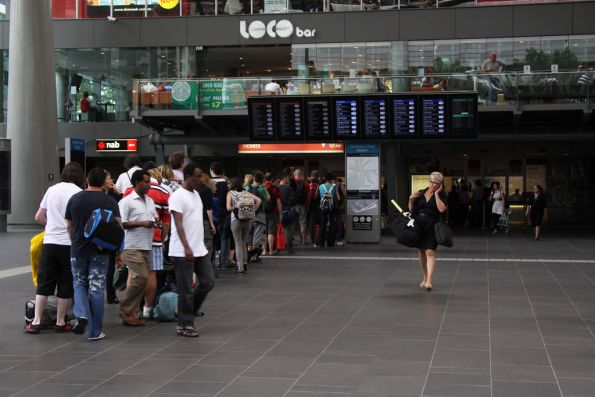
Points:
(443, 234)
(404, 228)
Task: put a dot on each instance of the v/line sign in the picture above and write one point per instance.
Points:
(116, 145)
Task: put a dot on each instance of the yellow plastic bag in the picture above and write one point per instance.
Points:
(35, 254)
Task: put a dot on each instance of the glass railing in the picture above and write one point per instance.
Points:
(494, 89)
(81, 9)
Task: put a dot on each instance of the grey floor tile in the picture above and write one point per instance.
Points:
(525, 389)
(272, 387)
(577, 387)
(346, 375)
(458, 358)
(527, 373)
(152, 366)
(202, 389)
(520, 356)
(278, 367)
(384, 386)
(21, 379)
(230, 358)
(211, 373)
(448, 390)
(54, 390)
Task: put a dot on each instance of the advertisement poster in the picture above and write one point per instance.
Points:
(275, 6)
(101, 8)
(184, 95)
(221, 94)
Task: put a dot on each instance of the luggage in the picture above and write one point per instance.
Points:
(404, 227)
(35, 254)
(104, 230)
(443, 234)
(49, 314)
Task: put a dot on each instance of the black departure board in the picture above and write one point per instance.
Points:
(261, 115)
(404, 116)
(346, 116)
(463, 116)
(317, 120)
(290, 118)
(433, 116)
(375, 117)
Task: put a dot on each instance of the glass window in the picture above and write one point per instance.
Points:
(472, 53)
(378, 57)
(503, 49)
(527, 51)
(4, 9)
(421, 55)
(584, 48)
(447, 57)
(353, 58)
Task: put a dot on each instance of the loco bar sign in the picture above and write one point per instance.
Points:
(282, 29)
(116, 145)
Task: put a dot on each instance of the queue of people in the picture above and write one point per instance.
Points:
(200, 223)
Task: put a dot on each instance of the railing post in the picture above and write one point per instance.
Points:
(111, 8)
(398, 4)
(216, 7)
(76, 9)
(361, 5)
(147, 8)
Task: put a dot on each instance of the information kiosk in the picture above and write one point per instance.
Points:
(362, 218)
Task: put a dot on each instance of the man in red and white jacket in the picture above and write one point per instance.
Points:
(161, 198)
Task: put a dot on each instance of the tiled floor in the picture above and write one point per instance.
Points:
(508, 317)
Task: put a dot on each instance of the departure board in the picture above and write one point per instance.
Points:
(346, 117)
(463, 116)
(433, 116)
(289, 119)
(404, 116)
(261, 115)
(317, 120)
(375, 117)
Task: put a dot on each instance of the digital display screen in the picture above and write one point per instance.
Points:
(404, 116)
(261, 114)
(375, 117)
(289, 119)
(463, 116)
(317, 121)
(346, 118)
(433, 116)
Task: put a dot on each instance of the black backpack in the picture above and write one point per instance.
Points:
(103, 229)
(300, 193)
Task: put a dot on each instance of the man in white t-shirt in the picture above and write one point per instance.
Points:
(186, 247)
(131, 163)
(54, 266)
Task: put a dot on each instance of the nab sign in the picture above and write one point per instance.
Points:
(116, 145)
(282, 29)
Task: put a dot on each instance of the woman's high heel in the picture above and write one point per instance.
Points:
(428, 287)
(422, 285)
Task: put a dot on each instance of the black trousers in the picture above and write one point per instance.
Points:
(190, 301)
(327, 229)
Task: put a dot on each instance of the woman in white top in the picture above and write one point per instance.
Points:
(54, 267)
(497, 197)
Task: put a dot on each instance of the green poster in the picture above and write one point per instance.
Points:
(184, 95)
(221, 94)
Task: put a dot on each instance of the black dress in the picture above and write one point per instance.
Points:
(538, 207)
(426, 215)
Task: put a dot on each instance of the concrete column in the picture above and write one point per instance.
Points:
(397, 176)
(32, 124)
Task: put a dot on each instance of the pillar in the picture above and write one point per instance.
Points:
(31, 120)
(397, 175)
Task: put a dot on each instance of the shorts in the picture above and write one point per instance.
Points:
(54, 271)
(272, 224)
(156, 258)
(302, 215)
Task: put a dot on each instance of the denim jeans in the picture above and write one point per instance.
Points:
(222, 235)
(88, 278)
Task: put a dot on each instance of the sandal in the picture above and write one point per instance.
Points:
(32, 329)
(187, 332)
(60, 329)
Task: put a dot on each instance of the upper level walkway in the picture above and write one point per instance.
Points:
(508, 317)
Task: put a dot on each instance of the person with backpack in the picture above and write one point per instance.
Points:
(243, 206)
(273, 210)
(54, 266)
(289, 216)
(259, 228)
(88, 262)
(220, 214)
(329, 195)
(301, 202)
(340, 213)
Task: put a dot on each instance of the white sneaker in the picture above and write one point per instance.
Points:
(146, 313)
(101, 336)
(340, 243)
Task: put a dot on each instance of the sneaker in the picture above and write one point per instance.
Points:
(101, 336)
(316, 246)
(147, 313)
(79, 327)
(340, 243)
(32, 329)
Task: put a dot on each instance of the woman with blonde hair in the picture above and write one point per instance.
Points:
(427, 207)
(168, 178)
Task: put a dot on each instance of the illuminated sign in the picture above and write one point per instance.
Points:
(299, 148)
(116, 145)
